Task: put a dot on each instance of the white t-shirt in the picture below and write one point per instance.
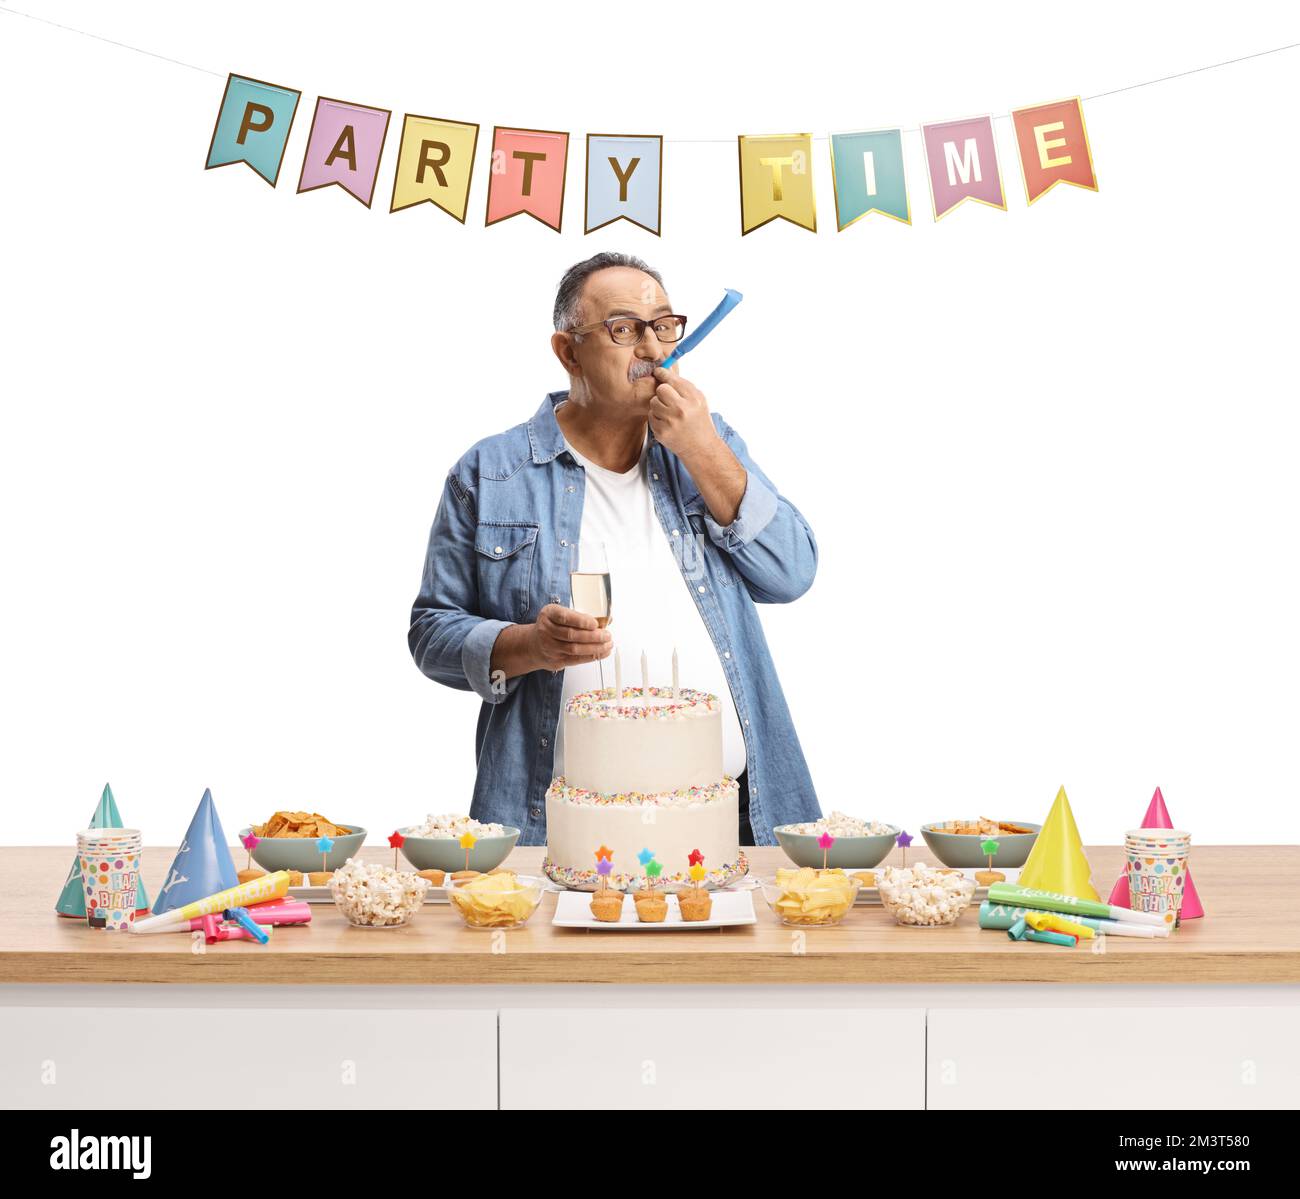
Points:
(651, 607)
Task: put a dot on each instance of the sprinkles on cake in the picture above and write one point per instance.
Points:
(599, 702)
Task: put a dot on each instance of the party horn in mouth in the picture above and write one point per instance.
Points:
(729, 301)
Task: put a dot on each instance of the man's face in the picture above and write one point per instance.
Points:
(613, 373)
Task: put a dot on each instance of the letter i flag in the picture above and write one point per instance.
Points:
(344, 147)
(528, 169)
(776, 181)
(867, 172)
(961, 159)
(1053, 143)
(253, 126)
(434, 163)
(624, 180)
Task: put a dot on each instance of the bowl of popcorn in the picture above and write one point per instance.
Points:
(502, 899)
(435, 844)
(808, 898)
(922, 896)
(859, 844)
(372, 895)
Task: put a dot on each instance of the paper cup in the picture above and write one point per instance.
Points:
(110, 873)
(1156, 865)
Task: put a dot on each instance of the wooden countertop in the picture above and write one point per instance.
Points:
(1248, 936)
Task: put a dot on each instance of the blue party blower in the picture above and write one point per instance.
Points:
(729, 301)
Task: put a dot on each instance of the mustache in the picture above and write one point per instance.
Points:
(641, 367)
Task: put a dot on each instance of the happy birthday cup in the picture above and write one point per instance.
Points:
(110, 873)
(1157, 870)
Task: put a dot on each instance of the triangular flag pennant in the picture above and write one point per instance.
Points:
(1158, 817)
(72, 901)
(202, 866)
(1057, 861)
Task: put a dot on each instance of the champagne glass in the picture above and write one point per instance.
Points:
(589, 587)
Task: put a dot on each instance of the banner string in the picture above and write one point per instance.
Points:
(702, 141)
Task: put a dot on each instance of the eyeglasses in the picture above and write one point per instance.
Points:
(628, 330)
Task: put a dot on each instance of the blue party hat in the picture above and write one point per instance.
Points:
(72, 902)
(202, 866)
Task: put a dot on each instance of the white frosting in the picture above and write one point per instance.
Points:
(670, 830)
(629, 748)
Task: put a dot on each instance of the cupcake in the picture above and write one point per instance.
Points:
(607, 906)
(695, 903)
(651, 907)
(247, 876)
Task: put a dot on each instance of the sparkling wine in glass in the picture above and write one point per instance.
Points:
(590, 587)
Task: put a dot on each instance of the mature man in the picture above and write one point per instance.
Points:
(693, 532)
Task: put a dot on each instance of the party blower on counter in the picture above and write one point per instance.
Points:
(256, 891)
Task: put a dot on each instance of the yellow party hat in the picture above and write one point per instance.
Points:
(1057, 861)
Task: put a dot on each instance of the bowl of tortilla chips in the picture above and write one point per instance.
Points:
(957, 843)
(288, 842)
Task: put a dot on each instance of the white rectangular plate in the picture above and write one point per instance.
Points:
(573, 910)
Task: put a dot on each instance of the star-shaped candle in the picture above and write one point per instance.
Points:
(467, 842)
(250, 842)
(695, 857)
(824, 843)
(396, 840)
(645, 856)
(603, 867)
(653, 870)
(697, 873)
(904, 840)
(989, 847)
(323, 847)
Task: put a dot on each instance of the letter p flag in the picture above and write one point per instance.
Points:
(253, 126)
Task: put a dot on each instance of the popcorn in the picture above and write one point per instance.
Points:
(374, 895)
(453, 827)
(924, 896)
(838, 824)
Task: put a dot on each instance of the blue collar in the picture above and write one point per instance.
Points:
(545, 436)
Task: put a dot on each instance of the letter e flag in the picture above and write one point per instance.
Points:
(1053, 143)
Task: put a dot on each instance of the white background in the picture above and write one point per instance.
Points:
(1049, 454)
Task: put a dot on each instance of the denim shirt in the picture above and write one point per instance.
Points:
(498, 551)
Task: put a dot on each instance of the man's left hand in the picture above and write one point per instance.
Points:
(679, 415)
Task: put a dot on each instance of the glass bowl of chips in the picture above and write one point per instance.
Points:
(809, 898)
(500, 900)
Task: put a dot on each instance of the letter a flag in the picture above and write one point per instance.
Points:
(434, 164)
(624, 180)
(776, 181)
(253, 126)
(962, 162)
(72, 902)
(1053, 143)
(867, 173)
(344, 147)
(202, 866)
(528, 168)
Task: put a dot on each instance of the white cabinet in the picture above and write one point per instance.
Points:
(679, 1056)
(213, 1057)
(1113, 1057)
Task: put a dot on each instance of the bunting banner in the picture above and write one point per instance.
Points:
(528, 169)
(1053, 144)
(436, 157)
(435, 161)
(624, 181)
(253, 126)
(776, 181)
(962, 161)
(868, 176)
(344, 147)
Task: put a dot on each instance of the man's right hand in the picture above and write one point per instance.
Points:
(559, 637)
(566, 637)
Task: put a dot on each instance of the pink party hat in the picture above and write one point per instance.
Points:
(1158, 817)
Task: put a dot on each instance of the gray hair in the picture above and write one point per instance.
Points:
(568, 298)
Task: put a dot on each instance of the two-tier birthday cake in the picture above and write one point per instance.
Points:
(644, 772)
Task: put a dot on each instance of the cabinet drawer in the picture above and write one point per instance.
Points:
(259, 1057)
(1149, 1057)
(667, 1057)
